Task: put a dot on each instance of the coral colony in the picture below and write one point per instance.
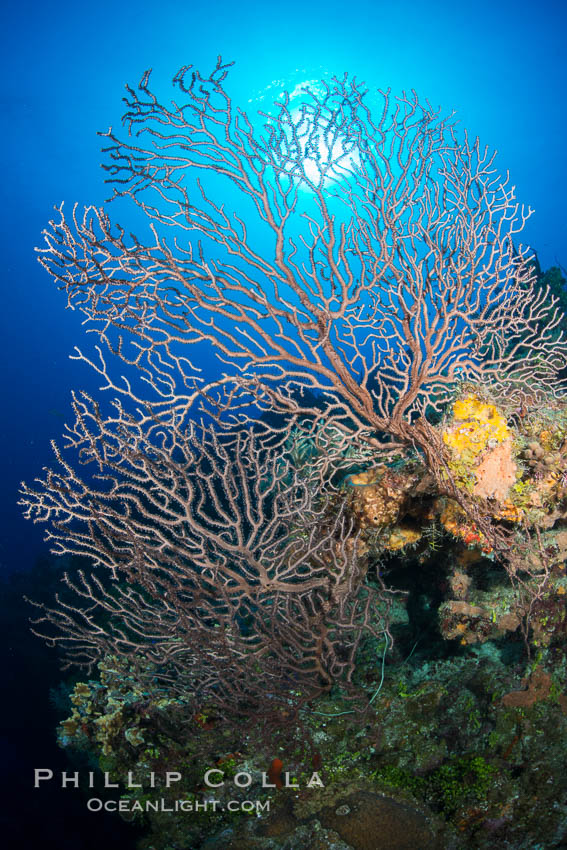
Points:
(329, 378)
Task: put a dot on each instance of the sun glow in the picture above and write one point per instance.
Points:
(327, 153)
(315, 146)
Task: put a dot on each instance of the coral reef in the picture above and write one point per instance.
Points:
(460, 753)
(342, 553)
(446, 748)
